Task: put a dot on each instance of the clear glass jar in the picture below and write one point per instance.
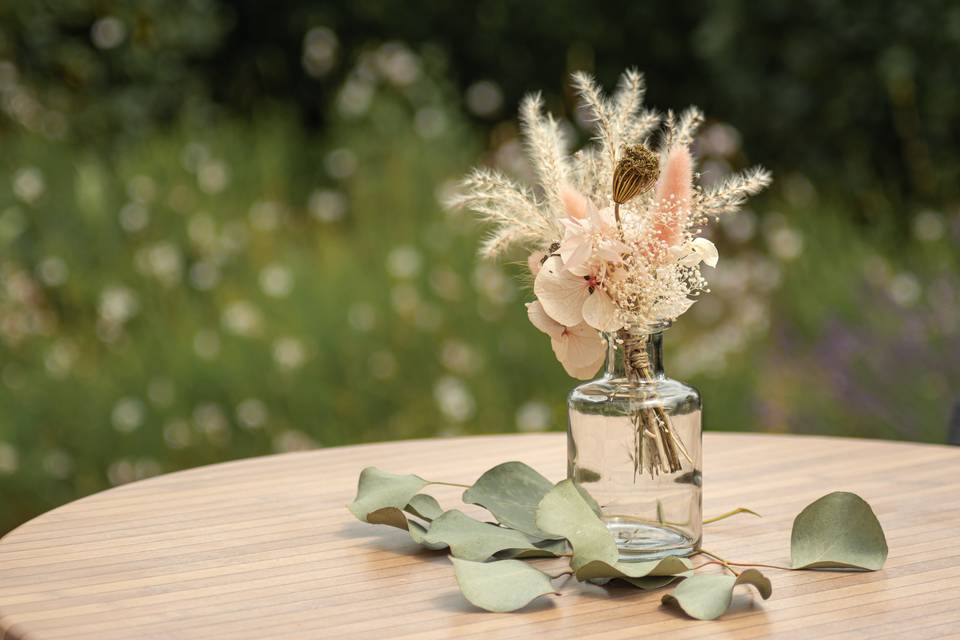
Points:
(634, 443)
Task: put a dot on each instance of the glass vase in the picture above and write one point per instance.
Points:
(634, 443)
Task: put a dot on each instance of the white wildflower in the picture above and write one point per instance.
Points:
(454, 399)
(28, 184)
(128, 414)
(242, 318)
(289, 353)
(276, 281)
(118, 304)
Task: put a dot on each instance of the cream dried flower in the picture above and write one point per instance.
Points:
(580, 349)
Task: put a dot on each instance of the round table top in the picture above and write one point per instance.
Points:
(265, 548)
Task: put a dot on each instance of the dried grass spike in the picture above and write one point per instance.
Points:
(732, 192)
(547, 150)
(599, 110)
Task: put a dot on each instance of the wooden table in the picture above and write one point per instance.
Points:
(264, 548)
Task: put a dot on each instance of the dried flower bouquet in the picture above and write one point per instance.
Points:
(614, 235)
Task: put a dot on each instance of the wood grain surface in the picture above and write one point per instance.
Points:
(264, 548)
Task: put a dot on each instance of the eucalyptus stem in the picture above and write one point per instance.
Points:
(727, 565)
(707, 564)
(760, 564)
(451, 484)
(732, 512)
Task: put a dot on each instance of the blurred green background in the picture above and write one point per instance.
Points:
(220, 229)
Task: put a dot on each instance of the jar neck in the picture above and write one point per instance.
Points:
(635, 356)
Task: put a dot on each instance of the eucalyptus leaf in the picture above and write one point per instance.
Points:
(395, 518)
(378, 490)
(382, 497)
(501, 586)
(543, 549)
(644, 575)
(418, 534)
(511, 492)
(390, 516)
(706, 597)
(424, 506)
(669, 566)
(563, 512)
(839, 530)
(474, 540)
(594, 506)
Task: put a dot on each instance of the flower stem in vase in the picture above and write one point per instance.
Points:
(658, 448)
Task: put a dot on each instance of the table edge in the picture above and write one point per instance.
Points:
(485, 436)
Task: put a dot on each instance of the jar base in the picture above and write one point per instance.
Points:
(643, 541)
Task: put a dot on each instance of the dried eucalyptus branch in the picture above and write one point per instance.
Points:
(838, 530)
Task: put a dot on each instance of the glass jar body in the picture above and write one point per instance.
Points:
(634, 443)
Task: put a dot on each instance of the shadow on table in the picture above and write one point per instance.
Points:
(454, 602)
(616, 591)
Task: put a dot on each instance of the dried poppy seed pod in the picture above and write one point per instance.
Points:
(635, 173)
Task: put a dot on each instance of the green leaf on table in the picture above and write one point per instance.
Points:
(511, 492)
(544, 549)
(471, 539)
(645, 575)
(706, 597)
(594, 506)
(378, 490)
(418, 534)
(839, 530)
(669, 566)
(424, 506)
(390, 516)
(564, 512)
(382, 497)
(395, 518)
(501, 586)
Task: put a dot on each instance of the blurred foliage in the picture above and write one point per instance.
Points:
(875, 83)
(220, 230)
(93, 70)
